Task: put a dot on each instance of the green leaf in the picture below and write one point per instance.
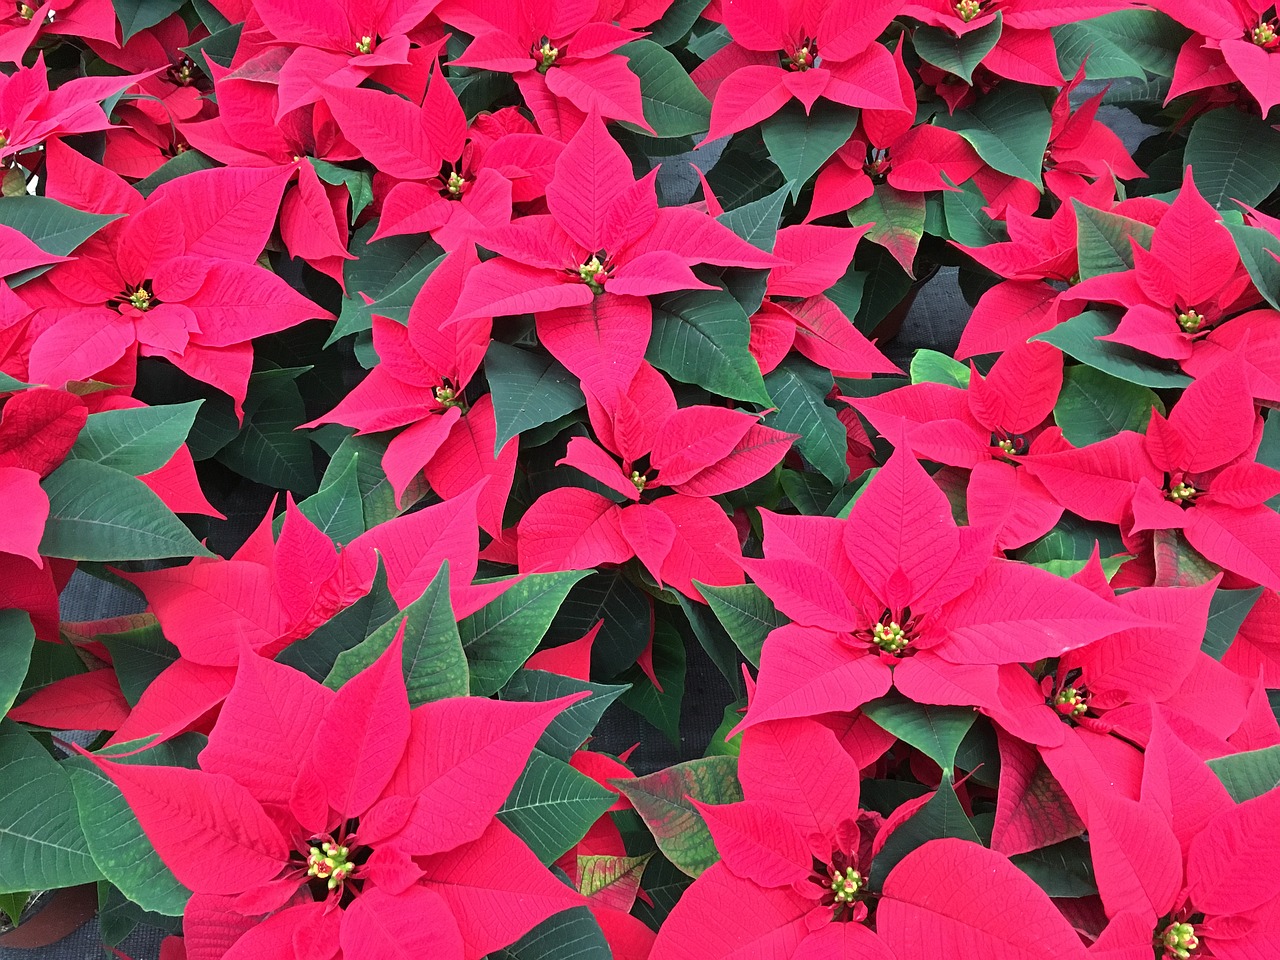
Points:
(1256, 247)
(597, 873)
(957, 55)
(42, 845)
(1227, 610)
(98, 513)
(935, 731)
(220, 47)
(573, 725)
(966, 222)
(1235, 156)
(1102, 239)
(139, 656)
(1094, 406)
(800, 143)
(17, 637)
(269, 449)
(660, 707)
(54, 227)
(1178, 563)
(898, 219)
(757, 222)
(747, 615)
(676, 22)
(501, 635)
(929, 366)
(376, 495)
(743, 173)
(665, 884)
(1249, 774)
(552, 806)
(799, 390)
(703, 337)
(336, 507)
(1060, 869)
(137, 15)
(1073, 538)
(528, 390)
(1077, 338)
(119, 847)
(316, 654)
(390, 271)
(359, 183)
(662, 800)
(12, 905)
(136, 441)
(434, 665)
(1107, 47)
(610, 598)
(1009, 128)
(189, 161)
(942, 816)
(568, 935)
(672, 105)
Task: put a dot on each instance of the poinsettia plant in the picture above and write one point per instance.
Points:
(478, 485)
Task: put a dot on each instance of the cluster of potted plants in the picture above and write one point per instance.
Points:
(543, 342)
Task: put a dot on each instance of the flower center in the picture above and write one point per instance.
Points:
(845, 886)
(329, 862)
(1178, 940)
(968, 10)
(447, 396)
(594, 273)
(890, 637)
(803, 58)
(1190, 321)
(365, 45)
(1071, 702)
(639, 480)
(878, 164)
(139, 297)
(1264, 34)
(1182, 493)
(546, 55)
(454, 186)
(181, 72)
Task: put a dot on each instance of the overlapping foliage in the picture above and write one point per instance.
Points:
(544, 345)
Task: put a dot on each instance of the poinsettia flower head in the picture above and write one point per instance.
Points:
(555, 51)
(587, 267)
(174, 277)
(1190, 280)
(367, 825)
(788, 49)
(1233, 42)
(420, 383)
(899, 595)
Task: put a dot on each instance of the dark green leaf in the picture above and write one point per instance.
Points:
(757, 222)
(16, 640)
(676, 22)
(799, 142)
(269, 449)
(935, 731)
(501, 635)
(957, 55)
(54, 227)
(336, 508)
(316, 654)
(942, 816)
(1060, 869)
(189, 161)
(136, 15)
(672, 105)
(528, 390)
(573, 725)
(1103, 240)
(1235, 156)
(568, 935)
(1077, 338)
(746, 613)
(660, 707)
(898, 222)
(799, 390)
(139, 656)
(359, 183)
(552, 806)
(97, 513)
(1256, 247)
(220, 46)
(1227, 611)
(136, 441)
(42, 845)
(703, 337)
(1009, 128)
(624, 611)
(1249, 774)
(1094, 406)
(662, 800)
(390, 272)
(967, 224)
(715, 641)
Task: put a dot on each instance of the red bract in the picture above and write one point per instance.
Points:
(586, 269)
(1081, 147)
(1233, 42)
(173, 278)
(368, 826)
(37, 430)
(696, 452)
(787, 49)
(420, 383)
(899, 595)
(1193, 472)
(23, 25)
(986, 429)
(556, 51)
(1190, 280)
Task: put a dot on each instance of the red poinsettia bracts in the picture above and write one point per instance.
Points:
(986, 429)
(352, 820)
(420, 383)
(174, 277)
(23, 25)
(586, 269)
(1194, 471)
(788, 49)
(1233, 42)
(1082, 149)
(898, 595)
(558, 53)
(647, 444)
